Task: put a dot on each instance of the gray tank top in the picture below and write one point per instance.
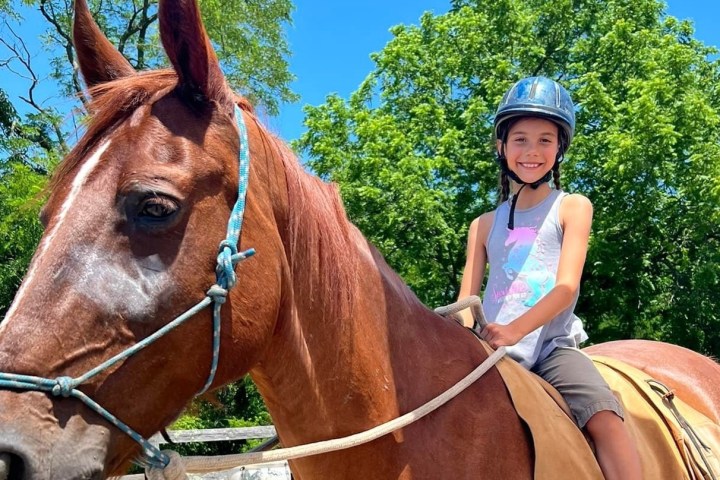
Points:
(523, 266)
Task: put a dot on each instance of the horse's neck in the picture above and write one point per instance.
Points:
(326, 377)
(353, 347)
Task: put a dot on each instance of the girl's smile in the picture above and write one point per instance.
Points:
(529, 165)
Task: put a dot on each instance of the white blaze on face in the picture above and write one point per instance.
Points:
(46, 245)
(131, 290)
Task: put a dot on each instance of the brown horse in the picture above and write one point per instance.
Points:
(333, 338)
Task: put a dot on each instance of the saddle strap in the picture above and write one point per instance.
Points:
(701, 448)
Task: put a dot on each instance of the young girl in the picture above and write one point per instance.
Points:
(535, 243)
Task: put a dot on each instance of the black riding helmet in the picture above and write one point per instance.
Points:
(534, 97)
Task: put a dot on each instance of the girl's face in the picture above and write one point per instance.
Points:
(532, 145)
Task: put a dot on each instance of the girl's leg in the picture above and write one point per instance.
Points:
(616, 451)
(595, 408)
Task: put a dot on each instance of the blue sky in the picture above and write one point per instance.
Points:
(331, 43)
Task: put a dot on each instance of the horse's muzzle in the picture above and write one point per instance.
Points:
(19, 462)
(14, 463)
(37, 445)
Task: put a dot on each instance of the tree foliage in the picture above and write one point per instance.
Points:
(20, 229)
(412, 152)
(27, 152)
(235, 406)
(249, 39)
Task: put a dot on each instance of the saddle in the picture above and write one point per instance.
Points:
(674, 440)
(671, 436)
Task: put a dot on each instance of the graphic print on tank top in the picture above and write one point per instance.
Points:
(530, 277)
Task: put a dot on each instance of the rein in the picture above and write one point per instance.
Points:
(228, 258)
(179, 466)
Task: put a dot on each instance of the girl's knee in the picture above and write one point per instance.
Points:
(603, 422)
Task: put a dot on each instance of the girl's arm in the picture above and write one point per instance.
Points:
(475, 261)
(576, 220)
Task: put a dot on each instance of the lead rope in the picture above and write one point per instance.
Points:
(181, 465)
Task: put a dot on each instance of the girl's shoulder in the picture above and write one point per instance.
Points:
(481, 226)
(485, 221)
(575, 200)
(575, 206)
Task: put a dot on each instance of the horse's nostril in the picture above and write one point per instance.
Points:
(4, 466)
(12, 467)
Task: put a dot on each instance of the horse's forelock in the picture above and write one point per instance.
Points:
(114, 102)
(111, 104)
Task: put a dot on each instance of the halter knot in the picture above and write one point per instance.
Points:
(63, 386)
(218, 294)
(225, 270)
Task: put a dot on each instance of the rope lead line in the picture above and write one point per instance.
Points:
(215, 464)
(228, 258)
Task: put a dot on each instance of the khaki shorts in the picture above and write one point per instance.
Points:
(574, 375)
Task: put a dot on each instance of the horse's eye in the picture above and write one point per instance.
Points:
(157, 208)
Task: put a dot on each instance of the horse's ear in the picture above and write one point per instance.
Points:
(191, 54)
(98, 59)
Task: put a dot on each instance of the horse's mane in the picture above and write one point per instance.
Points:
(319, 237)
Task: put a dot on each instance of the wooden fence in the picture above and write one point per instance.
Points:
(274, 471)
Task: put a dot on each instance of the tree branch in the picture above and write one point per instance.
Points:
(51, 16)
(21, 54)
(129, 31)
(147, 21)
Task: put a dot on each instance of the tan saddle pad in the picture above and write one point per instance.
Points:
(562, 452)
(656, 419)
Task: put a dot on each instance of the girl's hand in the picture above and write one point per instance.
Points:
(501, 335)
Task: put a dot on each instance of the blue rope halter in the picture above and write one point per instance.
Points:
(228, 258)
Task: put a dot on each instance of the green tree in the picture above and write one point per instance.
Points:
(412, 152)
(249, 39)
(19, 226)
(238, 405)
(27, 152)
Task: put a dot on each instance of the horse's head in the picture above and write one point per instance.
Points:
(132, 227)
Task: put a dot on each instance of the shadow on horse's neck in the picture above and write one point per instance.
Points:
(352, 332)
